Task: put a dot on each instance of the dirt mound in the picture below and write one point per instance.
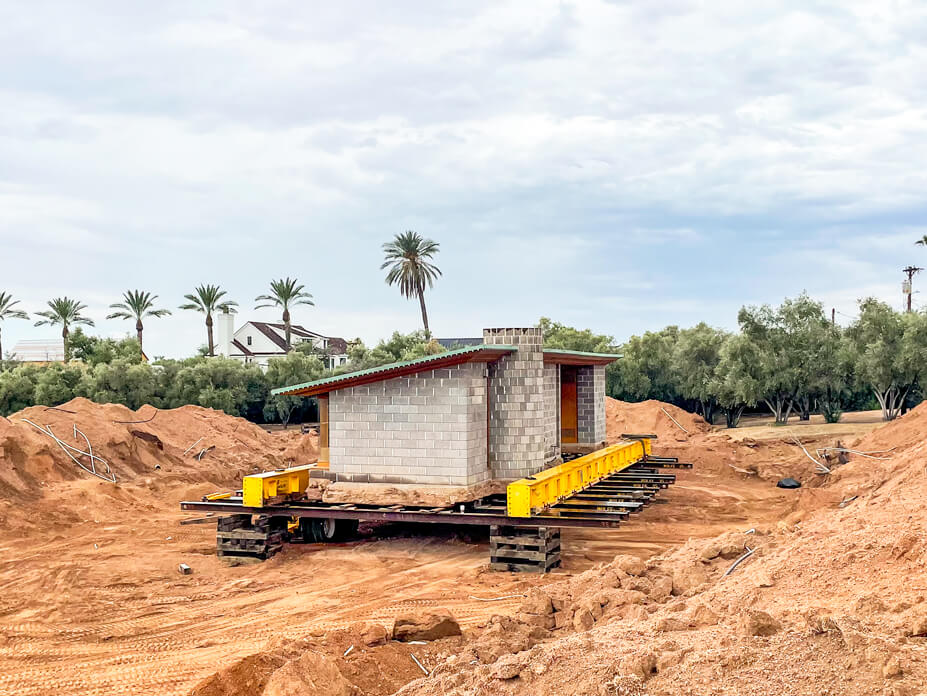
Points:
(358, 660)
(650, 417)
(188, 445)
(831, 600)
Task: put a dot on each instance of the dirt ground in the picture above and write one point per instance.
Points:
(91, 601)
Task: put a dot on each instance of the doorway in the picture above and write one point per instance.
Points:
(569, 414)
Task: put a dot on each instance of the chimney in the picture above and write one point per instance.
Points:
(225, 332)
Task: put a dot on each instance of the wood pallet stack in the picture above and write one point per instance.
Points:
(239, 540)
(524, 549)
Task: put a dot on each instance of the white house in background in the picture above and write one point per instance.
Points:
(256, 342)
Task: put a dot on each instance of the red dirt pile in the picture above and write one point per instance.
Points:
(138, 445)
(648, 417)
(833, 600)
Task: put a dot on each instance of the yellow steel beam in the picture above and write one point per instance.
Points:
(258, 488)
(528, 495)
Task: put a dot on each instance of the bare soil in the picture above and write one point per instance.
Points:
(91, 601)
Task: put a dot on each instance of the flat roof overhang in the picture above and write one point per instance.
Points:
(452, 358)
(555, 356)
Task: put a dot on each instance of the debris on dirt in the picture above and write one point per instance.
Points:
(788, 483)
(184, 569)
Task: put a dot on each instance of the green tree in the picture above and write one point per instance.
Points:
(696, 358)
(647, 369)
(8, 311)
(399, 347)
(885, 349)
(219, 383)
(17, 388)
(285, 293)
(295, 368)
(121, 381)
(94, 350)
(557, 335)
(736, 382)
(67, 313)
(409, 259)
(922, 241)
(811, 342)
(58, 383)
(137, 305)
(207, 299)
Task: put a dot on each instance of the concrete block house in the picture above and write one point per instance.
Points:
(500, 410)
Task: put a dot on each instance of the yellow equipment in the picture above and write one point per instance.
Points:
(552, 485)
(258, 489)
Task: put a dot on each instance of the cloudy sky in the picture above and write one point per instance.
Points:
(613, 165)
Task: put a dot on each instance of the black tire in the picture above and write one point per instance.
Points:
(347, 529)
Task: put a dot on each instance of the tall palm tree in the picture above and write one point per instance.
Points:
(208, 299)
(285, 293)
(137, 305)
(408, 258)
(67, 312)
(7, 311)
(922, 241)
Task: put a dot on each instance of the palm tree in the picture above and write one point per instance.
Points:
(208, 299)
(137, 305)
(67, 312)
(922, 241)
(284, 293)
(8, 312)
(408, 258)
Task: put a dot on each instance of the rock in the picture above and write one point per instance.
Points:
(754, 622)
(918, 626)
(312, 674)
(509, 666)
(429, 626)
(642, 666)
(668, 624)
(374, 634)
(788, 483)
(892, 668)
(583, 620)
(563, 619)
(631, 565)
(764, 579)
(662, 589)
(688, 579)
(711, 551)
(537, 603)
(592, 606)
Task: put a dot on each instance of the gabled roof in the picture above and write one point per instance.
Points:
(557, 356)
(276, 333)
(398, 369)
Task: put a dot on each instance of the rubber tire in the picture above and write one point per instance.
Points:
(347, 529)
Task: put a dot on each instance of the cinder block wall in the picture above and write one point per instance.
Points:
(516, 403)
(590, 403)
(551, 412)
(429, 428)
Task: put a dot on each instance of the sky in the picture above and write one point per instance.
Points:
(616, 165)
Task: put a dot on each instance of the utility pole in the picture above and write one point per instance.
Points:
(833, 316)
(908, 286)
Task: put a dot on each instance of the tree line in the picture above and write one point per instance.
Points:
(791, 359)
(113, 371)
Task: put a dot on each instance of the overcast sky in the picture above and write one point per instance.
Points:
(614, 165)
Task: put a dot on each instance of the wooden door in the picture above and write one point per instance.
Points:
(568, 411)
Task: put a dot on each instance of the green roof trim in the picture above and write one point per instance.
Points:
(389, 367)
(582, 354)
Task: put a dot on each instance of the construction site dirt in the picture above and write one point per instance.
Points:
(831, 601)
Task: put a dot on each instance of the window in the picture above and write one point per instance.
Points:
(343, 361)
(248, 340)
